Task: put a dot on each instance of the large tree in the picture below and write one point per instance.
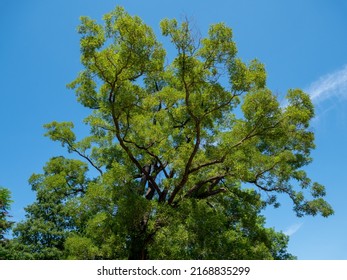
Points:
(183, 153)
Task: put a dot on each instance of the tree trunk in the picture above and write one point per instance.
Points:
(138, 247)
(139, 241)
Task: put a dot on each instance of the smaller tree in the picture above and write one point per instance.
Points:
(48, 220)
(5, 201)
(5, 224)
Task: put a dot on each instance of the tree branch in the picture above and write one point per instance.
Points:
(197, 168)
(162, 166)
(72, 148)
(185, 176)
(213, 180)
(128, 151)
(89, 160)
(211, 193)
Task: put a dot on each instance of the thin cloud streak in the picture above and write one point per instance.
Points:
(293, 229)
(330, 85)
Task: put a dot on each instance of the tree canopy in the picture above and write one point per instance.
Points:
(183, 153)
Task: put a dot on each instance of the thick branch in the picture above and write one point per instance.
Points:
(213, 180)
(212, 193)
(146, 149)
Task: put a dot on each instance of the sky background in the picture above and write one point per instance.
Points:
(303, 44)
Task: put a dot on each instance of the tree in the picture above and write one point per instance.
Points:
(5, 201)
(5, 224)
(48, 220)
(183, 156)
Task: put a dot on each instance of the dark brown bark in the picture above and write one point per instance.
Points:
(138, 248)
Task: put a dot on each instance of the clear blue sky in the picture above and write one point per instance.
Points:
(302, 44)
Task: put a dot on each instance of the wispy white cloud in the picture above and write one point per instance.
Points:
(331, 85)
(293, 229)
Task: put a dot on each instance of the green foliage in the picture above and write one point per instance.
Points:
(219, 228)
(49, 219)
(5, 201)
(187, 152)
(5, 223)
